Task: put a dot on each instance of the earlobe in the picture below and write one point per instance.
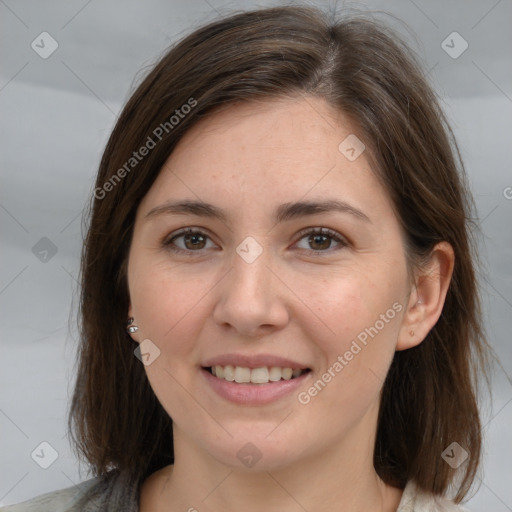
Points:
(131, 328)
(427, 297)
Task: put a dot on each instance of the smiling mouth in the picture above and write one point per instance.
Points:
(262, 375)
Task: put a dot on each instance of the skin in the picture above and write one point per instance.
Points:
(299, 299)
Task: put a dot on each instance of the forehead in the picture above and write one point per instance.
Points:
(257, 153)
(277, 130)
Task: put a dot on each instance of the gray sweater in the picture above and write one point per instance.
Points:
(115, 492)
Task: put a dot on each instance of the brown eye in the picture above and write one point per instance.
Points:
(187, 241)
(321, 240)
(194, 241)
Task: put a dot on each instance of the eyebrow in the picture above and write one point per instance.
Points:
(284, 212)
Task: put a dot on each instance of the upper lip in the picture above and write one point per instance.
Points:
(253, 361)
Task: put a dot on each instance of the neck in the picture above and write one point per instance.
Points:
(305, 487)
(335, 484)
(341, 478)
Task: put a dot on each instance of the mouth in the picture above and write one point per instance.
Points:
(261, 375)
(254, 379)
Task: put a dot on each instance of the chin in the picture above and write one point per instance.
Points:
(251, 458)
(255, 453)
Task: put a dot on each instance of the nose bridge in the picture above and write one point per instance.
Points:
(250, 296)
(250, 277)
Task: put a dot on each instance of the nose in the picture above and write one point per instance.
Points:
(251, 298)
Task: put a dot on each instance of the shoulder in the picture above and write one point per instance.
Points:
(152, 487)
(112, 491)
(63, 500)
(415, 499)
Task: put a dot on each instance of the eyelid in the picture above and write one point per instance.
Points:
(324, 231)
(316, 230)
(342, 241)
(167, 239)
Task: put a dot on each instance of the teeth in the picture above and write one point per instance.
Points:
(242, 374)
(229, 372)
(275, 374)
(287, 373)
(261, 375)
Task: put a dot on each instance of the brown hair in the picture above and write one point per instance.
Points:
(363, 69)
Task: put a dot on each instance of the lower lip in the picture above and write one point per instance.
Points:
(253, 394)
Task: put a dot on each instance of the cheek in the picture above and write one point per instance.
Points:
(168, 305)
(356, 355)
(360, 321)
(170, 312)
(347, 304)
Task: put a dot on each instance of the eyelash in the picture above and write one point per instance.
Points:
(168, 242)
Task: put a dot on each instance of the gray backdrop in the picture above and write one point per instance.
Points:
(66, 69)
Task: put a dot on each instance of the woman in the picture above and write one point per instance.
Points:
(279, 260)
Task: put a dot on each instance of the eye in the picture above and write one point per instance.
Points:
(193, 240)
(321, 239)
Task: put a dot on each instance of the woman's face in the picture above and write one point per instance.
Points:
(256, 291)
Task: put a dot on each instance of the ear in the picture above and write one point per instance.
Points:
(427, 297)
